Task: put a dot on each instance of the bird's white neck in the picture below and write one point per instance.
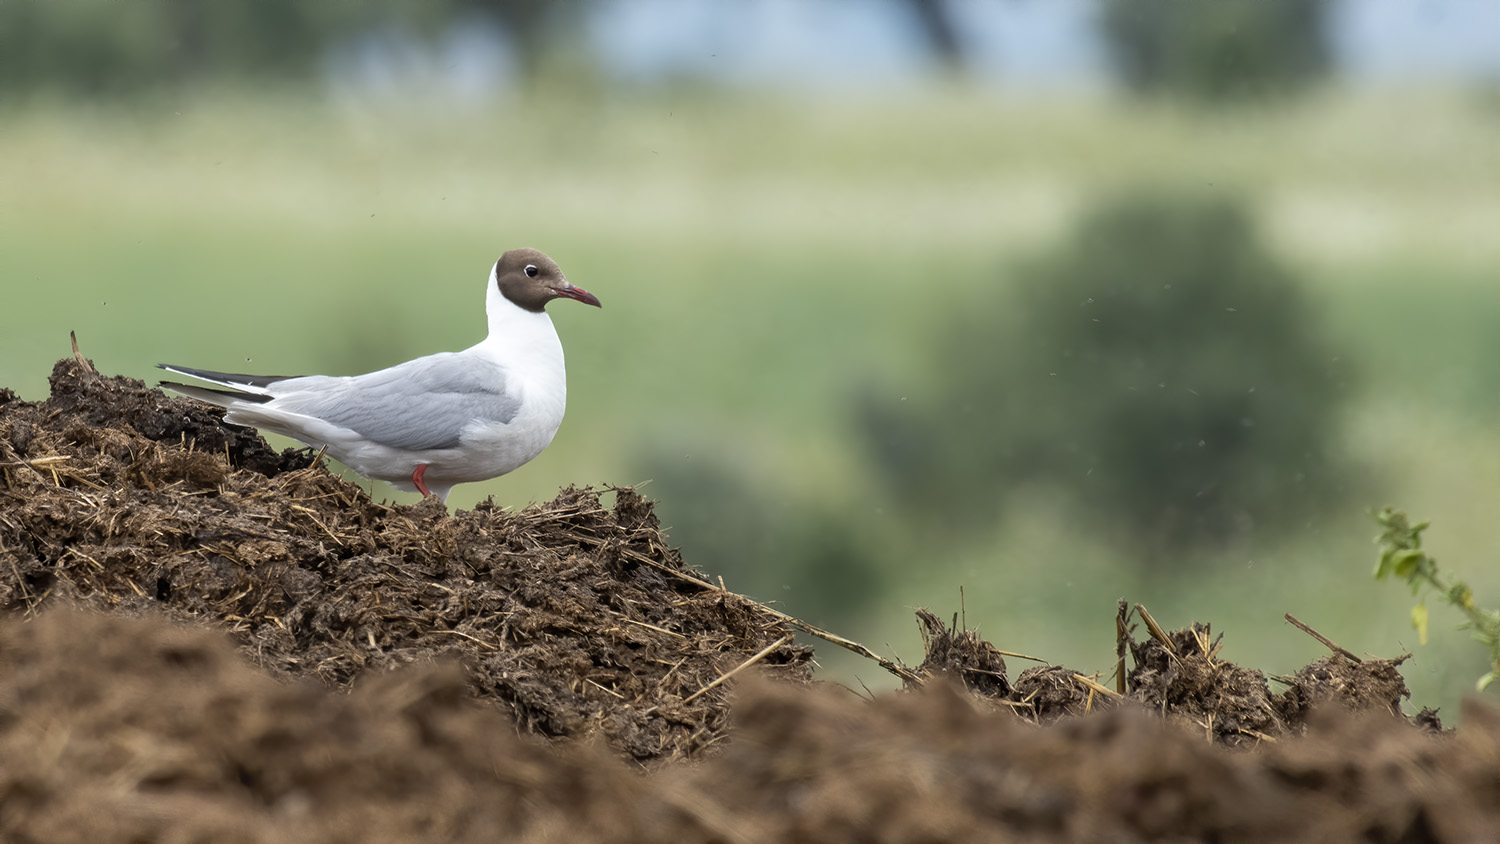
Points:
(524, 341)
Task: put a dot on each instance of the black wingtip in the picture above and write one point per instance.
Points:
(226, 378)
(201, 393)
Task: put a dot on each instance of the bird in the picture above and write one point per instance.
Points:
(430, 423)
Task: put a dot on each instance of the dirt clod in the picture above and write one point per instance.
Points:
(1374, 684)
(962, 656)
(1185, 677)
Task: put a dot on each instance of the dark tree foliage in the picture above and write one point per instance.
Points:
(103, 47)
(939, 32)
(534, 25)
(110, 48)
(1212, 50)
(1161, 369)
(768, 542)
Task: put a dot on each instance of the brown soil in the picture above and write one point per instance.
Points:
(204, 640)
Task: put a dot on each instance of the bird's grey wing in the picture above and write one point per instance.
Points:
(421, 404)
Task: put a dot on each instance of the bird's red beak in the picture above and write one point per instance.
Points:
(578, 293)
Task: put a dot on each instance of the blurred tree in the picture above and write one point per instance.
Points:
(106, 47)
(765, 543)
(1162, 370)
(1219, 50)
(935, 22)
(534, 26)
(103, 47)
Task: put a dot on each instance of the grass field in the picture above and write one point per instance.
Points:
(758, 258)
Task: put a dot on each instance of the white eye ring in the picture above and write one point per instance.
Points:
(531, 270)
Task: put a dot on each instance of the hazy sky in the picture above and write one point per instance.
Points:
(853, 44)
(1015, 41)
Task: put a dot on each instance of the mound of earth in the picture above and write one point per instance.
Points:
(574, 618)
(1178, 675)
(140, 729)
(204, 640)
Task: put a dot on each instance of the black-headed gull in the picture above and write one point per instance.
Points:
(436, 421)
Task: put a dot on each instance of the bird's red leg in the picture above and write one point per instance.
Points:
(416, 478)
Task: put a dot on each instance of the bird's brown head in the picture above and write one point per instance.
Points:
(530, 279)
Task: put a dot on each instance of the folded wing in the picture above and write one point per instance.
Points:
(418, 405)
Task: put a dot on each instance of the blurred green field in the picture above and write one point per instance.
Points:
(761, 257)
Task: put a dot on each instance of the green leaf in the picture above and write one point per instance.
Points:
(1419, 621)
(1461, 596)
(1486, 680)
(1406, 562)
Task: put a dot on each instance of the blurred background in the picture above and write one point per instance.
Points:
(1008, 307)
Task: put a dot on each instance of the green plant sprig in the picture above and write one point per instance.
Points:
(1401, 556)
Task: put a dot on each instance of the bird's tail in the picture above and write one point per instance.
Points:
(232, 388)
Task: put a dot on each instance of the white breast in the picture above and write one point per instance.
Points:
(525, 345)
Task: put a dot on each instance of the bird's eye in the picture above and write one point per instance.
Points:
(531, 271)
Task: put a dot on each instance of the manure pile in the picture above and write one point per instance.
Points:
(205, 640)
